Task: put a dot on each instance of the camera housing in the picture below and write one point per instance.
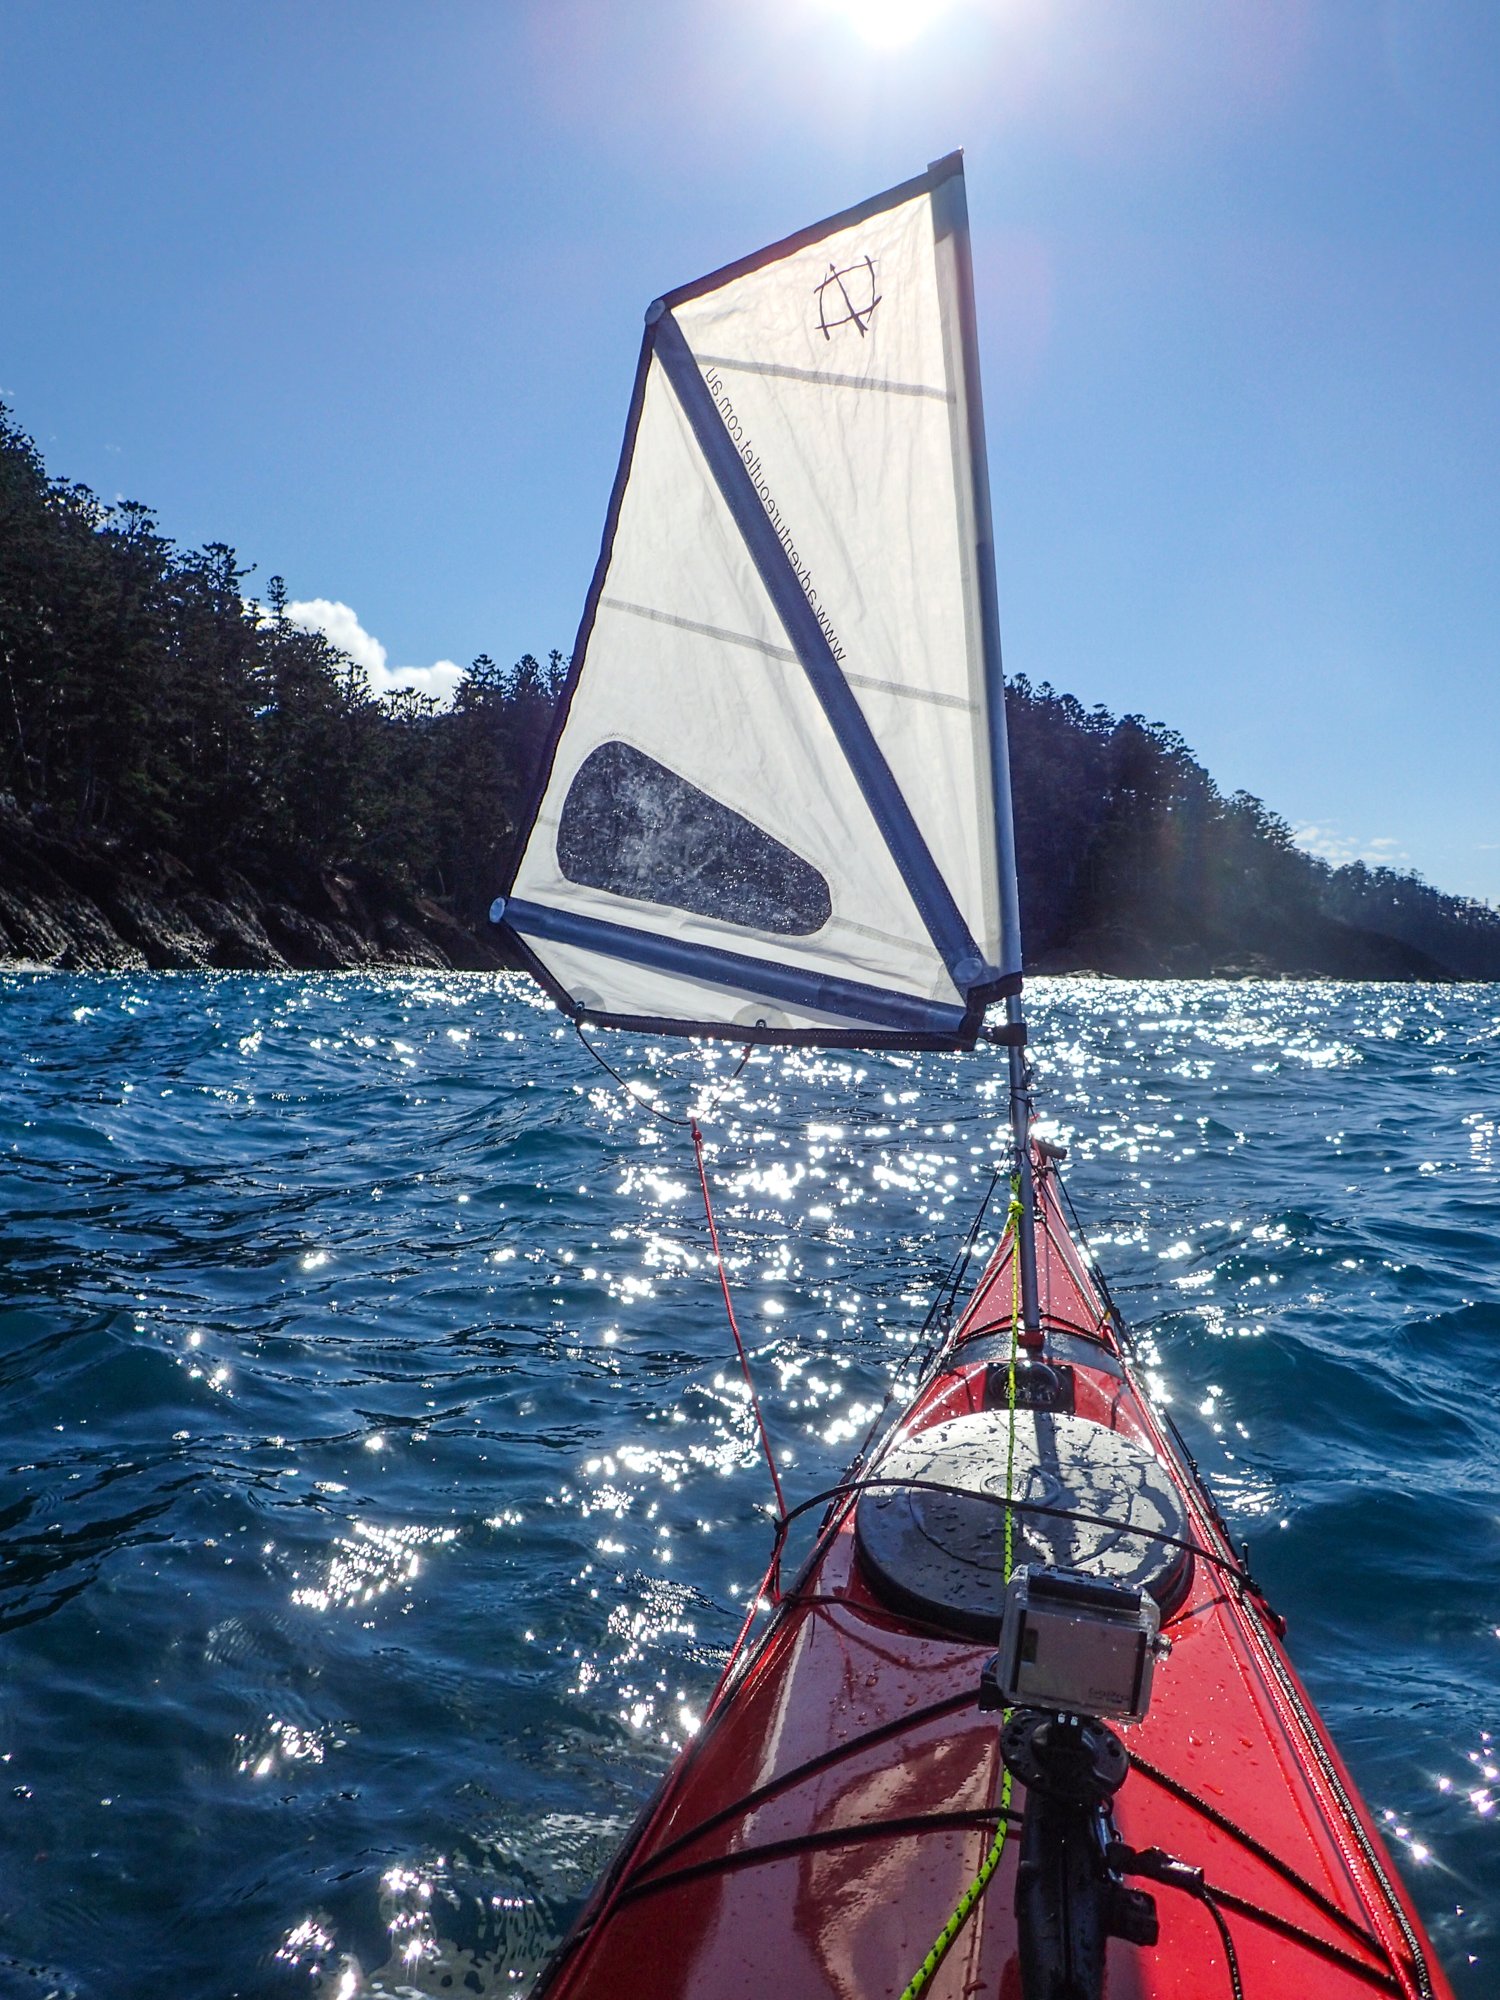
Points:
(1077, 1645)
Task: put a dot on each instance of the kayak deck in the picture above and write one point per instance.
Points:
(818, 1832)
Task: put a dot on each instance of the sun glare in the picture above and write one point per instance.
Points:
(891, 24)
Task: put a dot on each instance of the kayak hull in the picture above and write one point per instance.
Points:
(816, 1835)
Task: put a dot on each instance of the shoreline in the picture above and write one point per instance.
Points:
(36, 968)
(93, 905)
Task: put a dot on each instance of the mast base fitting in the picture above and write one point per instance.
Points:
(1069, 1899)
(1007, 1035)
(1073, 1758)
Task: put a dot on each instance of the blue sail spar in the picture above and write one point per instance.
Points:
(777, 803)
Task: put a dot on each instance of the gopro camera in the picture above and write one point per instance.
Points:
(1076, 1645)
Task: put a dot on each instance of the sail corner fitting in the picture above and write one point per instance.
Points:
(1009, 1035)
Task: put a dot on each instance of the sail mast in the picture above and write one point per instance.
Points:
(1020, 1132)
(951, 219)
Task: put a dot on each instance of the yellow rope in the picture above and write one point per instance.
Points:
(966, 1902)
(943, 1942)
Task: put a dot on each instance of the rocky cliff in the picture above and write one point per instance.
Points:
(96, 906)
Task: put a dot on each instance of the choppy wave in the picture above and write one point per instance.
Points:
(380, 1498)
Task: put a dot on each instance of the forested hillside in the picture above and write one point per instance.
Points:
(157, 722)
(1132, 860)
(186, 777)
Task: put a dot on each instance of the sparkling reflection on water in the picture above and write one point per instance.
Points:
(381, 1494)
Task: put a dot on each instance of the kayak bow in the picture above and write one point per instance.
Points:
(845, 1823)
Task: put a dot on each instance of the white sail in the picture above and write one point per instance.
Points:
(777, 804)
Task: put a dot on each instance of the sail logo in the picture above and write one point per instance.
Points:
(847, 297)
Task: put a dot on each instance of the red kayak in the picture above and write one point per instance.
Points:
(820, 1834)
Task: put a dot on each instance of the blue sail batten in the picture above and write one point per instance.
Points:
(780, 985)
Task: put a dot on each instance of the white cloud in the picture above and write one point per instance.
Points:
(339, 624)
(1327, 843)
(1331, 843)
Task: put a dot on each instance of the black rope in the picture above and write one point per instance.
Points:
(1205, 1897)
(1156, 1865)
(940, 1312)
(1356, 1827)
(849, 1488)
(1267, 1856)
(812, 1768)
(948, 1285)
(953, 1704)
(1386, 1982)
(1096, 1272)
(645, 1102)
(804, 1843)
(1205, 1491)
(1175, 1874)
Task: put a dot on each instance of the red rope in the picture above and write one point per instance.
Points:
(734, 1328)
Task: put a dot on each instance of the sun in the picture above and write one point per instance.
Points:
(891, 24)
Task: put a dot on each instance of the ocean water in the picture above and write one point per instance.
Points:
(377, 1496)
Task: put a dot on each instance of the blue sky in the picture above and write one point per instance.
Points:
(358, 288)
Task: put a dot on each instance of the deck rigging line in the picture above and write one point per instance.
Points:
(1267, 1856)
(691, 1123)
(940, 1312)
(734, 1328)
(826, 1760)
(901, 1828)
(646, 1104)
